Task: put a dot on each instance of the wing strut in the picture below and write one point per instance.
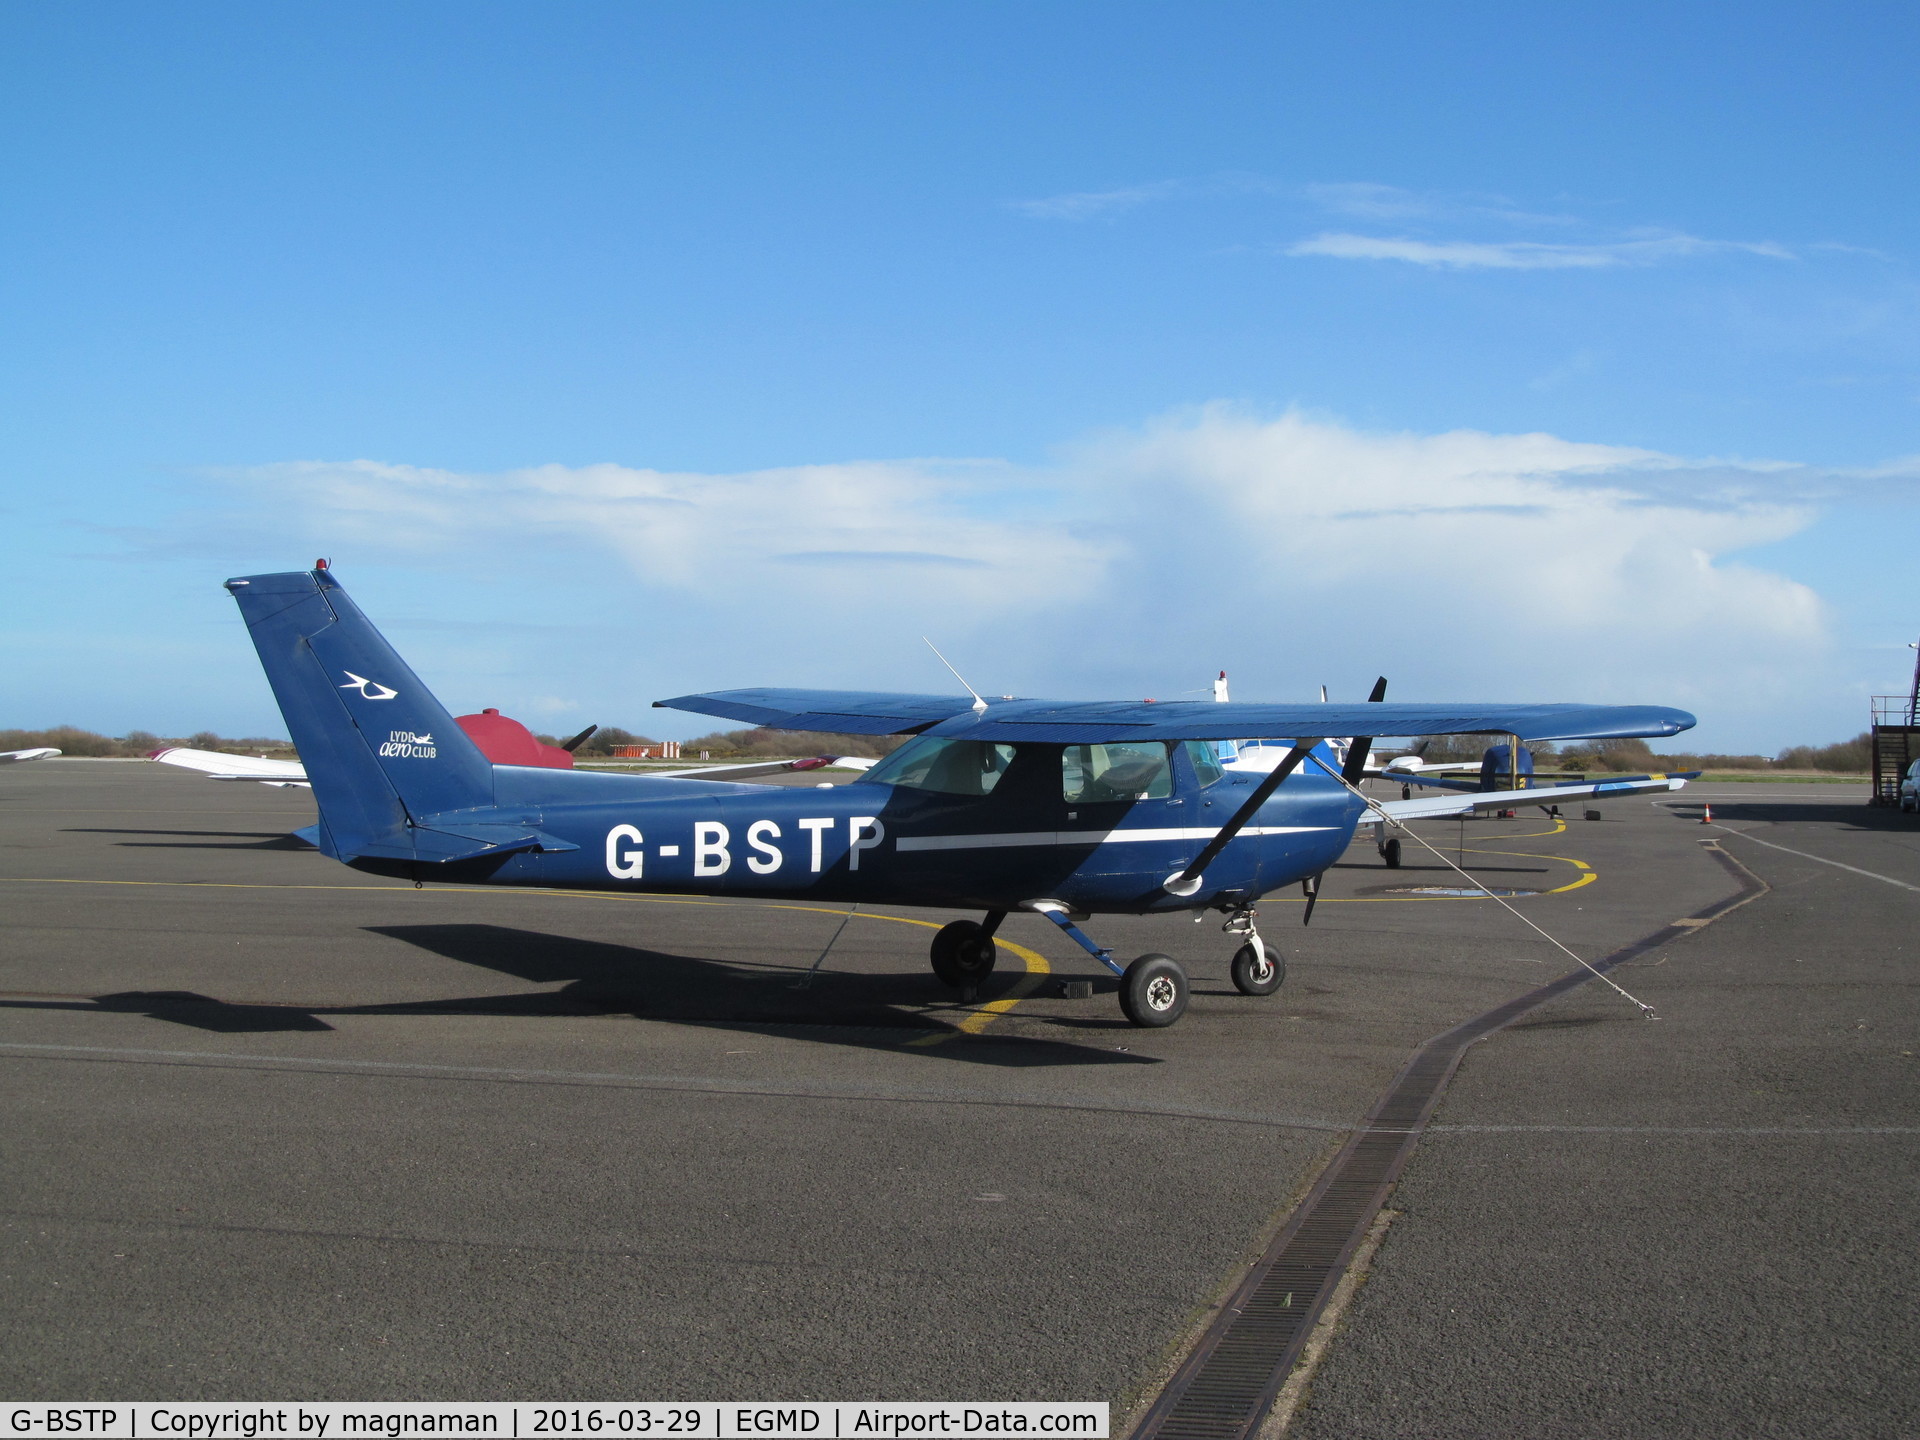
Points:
(1188, 880)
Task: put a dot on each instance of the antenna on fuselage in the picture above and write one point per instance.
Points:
(979, 705)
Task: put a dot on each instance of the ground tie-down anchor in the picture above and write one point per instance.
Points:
(805, 982)
(1059, 914)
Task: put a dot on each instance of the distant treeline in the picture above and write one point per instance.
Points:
(1621, 756)
(728, 744)
(1846, 757)
(74, 741)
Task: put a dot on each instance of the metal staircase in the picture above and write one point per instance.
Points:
(1896, 739)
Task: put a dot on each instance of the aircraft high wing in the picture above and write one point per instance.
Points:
(1010, 719)
(39, 752)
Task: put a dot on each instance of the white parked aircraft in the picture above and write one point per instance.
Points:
(14, 757)
(285, 773)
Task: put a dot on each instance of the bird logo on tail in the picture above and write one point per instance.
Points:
(369, 689)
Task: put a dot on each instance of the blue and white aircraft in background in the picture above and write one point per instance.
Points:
(1067, 809)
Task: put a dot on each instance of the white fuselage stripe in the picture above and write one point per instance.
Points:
(1085, 837)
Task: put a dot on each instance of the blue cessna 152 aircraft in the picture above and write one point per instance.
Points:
(1067, 809)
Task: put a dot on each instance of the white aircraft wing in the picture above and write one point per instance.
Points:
(1468, 802)
(40, 752)
(1410, 765)
(235, 767)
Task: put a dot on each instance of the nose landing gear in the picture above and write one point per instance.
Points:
(1258, 966)
(1389, 849)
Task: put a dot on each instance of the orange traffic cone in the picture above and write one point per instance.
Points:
(1706, 815)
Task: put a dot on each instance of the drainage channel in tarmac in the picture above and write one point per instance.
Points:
(1231, 1378)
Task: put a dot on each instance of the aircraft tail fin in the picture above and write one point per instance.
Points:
(380, 751)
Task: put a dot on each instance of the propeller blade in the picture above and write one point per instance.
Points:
(1357, 752)
(574, 744)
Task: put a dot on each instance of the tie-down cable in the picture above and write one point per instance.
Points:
(1402, 826)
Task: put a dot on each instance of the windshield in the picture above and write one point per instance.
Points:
(1125, 770)
(951, 767)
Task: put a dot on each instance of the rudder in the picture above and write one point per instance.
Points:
(380, 751)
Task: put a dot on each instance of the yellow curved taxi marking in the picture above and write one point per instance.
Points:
(1587, 877)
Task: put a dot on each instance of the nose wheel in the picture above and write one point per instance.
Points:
(1258, 968)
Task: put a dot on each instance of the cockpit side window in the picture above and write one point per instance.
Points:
(1122, 770)
(950, 767)
(1205, 756)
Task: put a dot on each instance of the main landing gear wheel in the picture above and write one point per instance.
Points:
(1258, 968)
(1153, 992)
(963, 954)
(1390, 852)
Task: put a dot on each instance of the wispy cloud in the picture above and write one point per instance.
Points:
(1526, 254)
(1104, 204)
(1389, 202)
(1573, 242)
(1096, 204)
(809, 533)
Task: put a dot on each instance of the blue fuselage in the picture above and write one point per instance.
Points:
(890, 844)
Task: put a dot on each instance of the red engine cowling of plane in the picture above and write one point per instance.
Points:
(505, 741)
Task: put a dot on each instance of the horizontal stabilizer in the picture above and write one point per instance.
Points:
(442, 844)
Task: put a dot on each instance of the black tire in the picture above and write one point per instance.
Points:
(1258, 968)
(1390, 852)
(1153, 992)
(963, 955)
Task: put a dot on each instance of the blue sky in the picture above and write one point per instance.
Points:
(612, 351)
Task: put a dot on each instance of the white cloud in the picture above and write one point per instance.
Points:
(1292, 550)
(818, 530)
(1525, 254)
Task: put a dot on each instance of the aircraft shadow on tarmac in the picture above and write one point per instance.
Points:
(1854, 815)
(839, 1007)
(203, 839)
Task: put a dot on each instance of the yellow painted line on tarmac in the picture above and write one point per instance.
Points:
(1587, 877)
